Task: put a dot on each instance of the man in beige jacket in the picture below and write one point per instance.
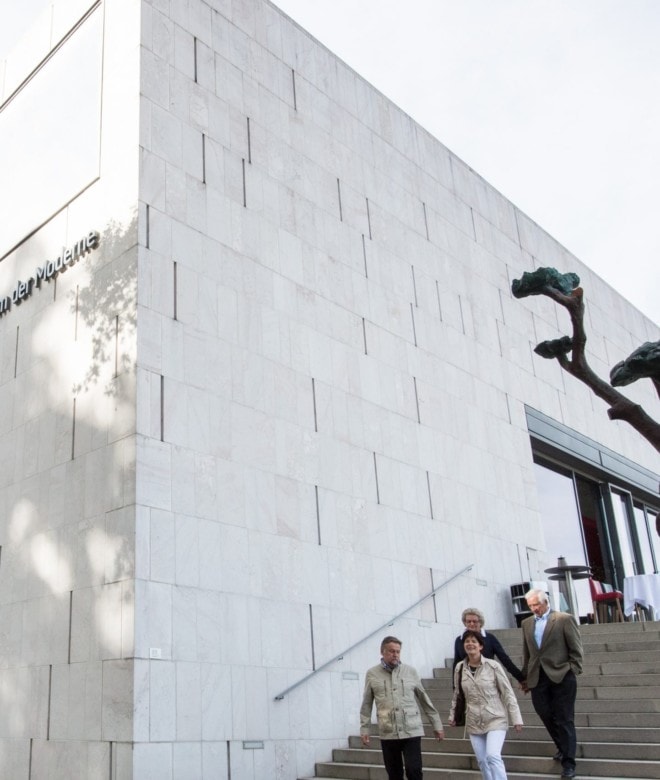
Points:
(398, 693)
(552, 659)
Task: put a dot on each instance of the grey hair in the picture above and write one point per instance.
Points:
(473, 611)
(540, 594)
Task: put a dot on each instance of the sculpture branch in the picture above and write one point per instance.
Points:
(643, 363)
(563, 289)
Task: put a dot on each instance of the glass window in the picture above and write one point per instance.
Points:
(50, 135)
(652, 513)
(562, 526)
(589, 519)
(645, 533)
(621, 508)
(594, 529)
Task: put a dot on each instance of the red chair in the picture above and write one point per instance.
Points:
(603, 596)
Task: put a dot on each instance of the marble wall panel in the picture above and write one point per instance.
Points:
(96, 622)
(15, 754)
(53, 759)
(24, 690)
(152, 760)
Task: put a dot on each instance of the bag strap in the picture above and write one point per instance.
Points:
(460, 684)
(460, 666)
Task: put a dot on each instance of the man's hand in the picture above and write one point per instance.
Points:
(365, 739)
(523, 686)
(439, 735)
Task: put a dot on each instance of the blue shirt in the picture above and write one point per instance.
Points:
(539, 627)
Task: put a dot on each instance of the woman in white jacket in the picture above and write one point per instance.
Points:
(490, 706)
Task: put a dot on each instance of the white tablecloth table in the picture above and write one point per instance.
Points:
(643, 589)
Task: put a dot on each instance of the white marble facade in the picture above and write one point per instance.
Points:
(281, 401)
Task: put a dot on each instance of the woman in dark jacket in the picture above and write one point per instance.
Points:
(473, 619)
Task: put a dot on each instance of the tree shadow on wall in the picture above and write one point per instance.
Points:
(107, 307)
(67, 505)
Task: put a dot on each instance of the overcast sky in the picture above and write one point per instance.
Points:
(555, 102)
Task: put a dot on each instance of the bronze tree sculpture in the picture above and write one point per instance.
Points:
(644, 362)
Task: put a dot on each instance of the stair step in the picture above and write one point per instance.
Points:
(647, 702)
(541, 748)
(597, 680)
(632, 654)
(349, 771)
(616, 767)
(537, 733)
(591, 632)
(606, 734)
(606, 714)
(585, 682)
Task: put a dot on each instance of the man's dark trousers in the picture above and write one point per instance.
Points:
(555, 705)
(397, 752)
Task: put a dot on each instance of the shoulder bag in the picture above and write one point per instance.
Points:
(459, 708)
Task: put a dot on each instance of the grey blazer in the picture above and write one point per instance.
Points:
(560, 651)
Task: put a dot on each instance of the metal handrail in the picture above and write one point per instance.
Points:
(339, 657)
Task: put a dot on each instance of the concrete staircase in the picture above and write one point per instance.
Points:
(617, 717)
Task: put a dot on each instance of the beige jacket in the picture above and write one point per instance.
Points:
(491, 704)
(399, 696)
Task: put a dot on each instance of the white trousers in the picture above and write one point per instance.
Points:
(488, 750)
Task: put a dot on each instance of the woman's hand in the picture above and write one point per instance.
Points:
(518, 727)
(451, 722)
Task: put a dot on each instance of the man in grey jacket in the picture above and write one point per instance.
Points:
(399, 695)
(552, 659)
